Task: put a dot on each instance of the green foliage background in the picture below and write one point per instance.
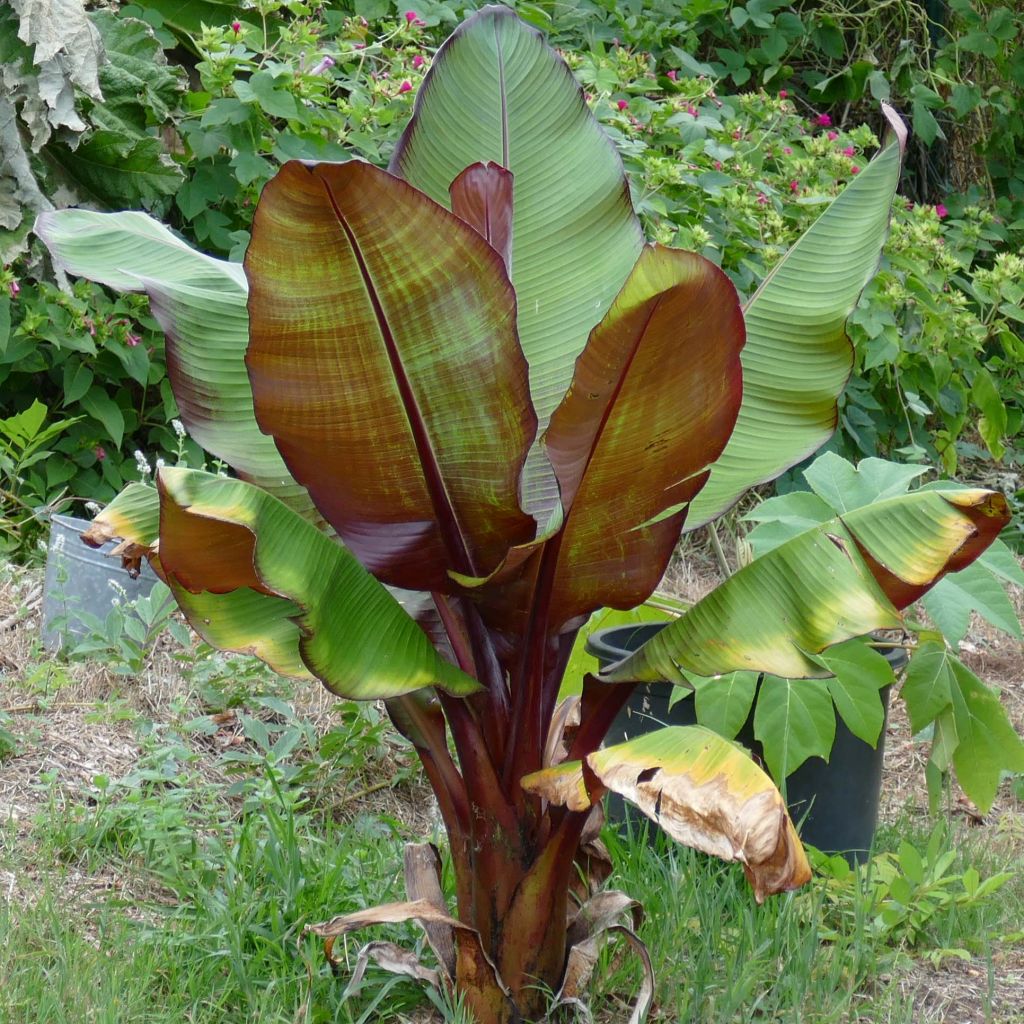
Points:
(738, 122)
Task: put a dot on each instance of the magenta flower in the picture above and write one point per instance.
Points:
(13, 287)
(405, 86)
(849, 151)
(325, 65)
(832, 136)
(794, 186)
(100, 452)
(762, 199)
(854, 169)
(940, 211)
(131, 340)
(417, 61)
(412, 18)
(823, 120)
(673, 74)
(718, 165)
(691, 110)
(788, 150)
(783, 94)
(622, 105)
(236, 27)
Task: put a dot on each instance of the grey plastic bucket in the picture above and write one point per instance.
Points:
(82, 579)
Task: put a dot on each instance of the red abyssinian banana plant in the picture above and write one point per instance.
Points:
(467, 405)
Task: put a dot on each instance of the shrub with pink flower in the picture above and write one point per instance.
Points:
(823, 121)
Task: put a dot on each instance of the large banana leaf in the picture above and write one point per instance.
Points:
(836, 581)
(252, 576)
(798, 357)
(387, 369)
(199, 302)
(497, 92)
(703, 790)
(651, 405)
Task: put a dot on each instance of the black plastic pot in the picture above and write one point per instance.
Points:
(834, 803)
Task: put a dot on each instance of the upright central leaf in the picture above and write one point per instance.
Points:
(651, 406)
(381, 324)
(498, 93)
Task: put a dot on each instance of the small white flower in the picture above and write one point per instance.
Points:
(141, 464)
(160, 464)
(92, 508)
(179, 427)
(58, 543)
(118, 589)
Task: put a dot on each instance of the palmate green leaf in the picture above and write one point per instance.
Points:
(797, 358)
(252, 576)
(723, 703)
(928, 687)
(496, 92)
(199, 302)
(839, 580)
(859, 675)
(952, 601)
(387, 369)
(794, 720)
(987, 744)
(703, 790)
(846, 487)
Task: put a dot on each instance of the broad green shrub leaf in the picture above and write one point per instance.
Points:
(794, 720)
(987, 744)
(928, 686)
(974, 589)
(859, 674)
(846, 487)
(723, 703)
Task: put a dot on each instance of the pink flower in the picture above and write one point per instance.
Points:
(832, 136)
(762, 199)
(941, 211)
(13, 287)
(737, 134)
(359, 46)
(783, 94)
(622, 105)
(788, 150)
(673, 74)
(794, 186)
(325, 65)
(100, 452)
(823, 120)
(405, 86)
(854, 169)
(718, 165)
(412, 18)
(691, 110)
(236, 27)
(417, 61)
(849, 151)
(131, 340)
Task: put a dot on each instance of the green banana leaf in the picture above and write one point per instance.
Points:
(497, 92)
(252, 576)
(836, 581)
(200, 302)
(798, 357)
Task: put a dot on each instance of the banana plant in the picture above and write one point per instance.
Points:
(466, 405)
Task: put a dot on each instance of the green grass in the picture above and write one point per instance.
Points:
(169, 895)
